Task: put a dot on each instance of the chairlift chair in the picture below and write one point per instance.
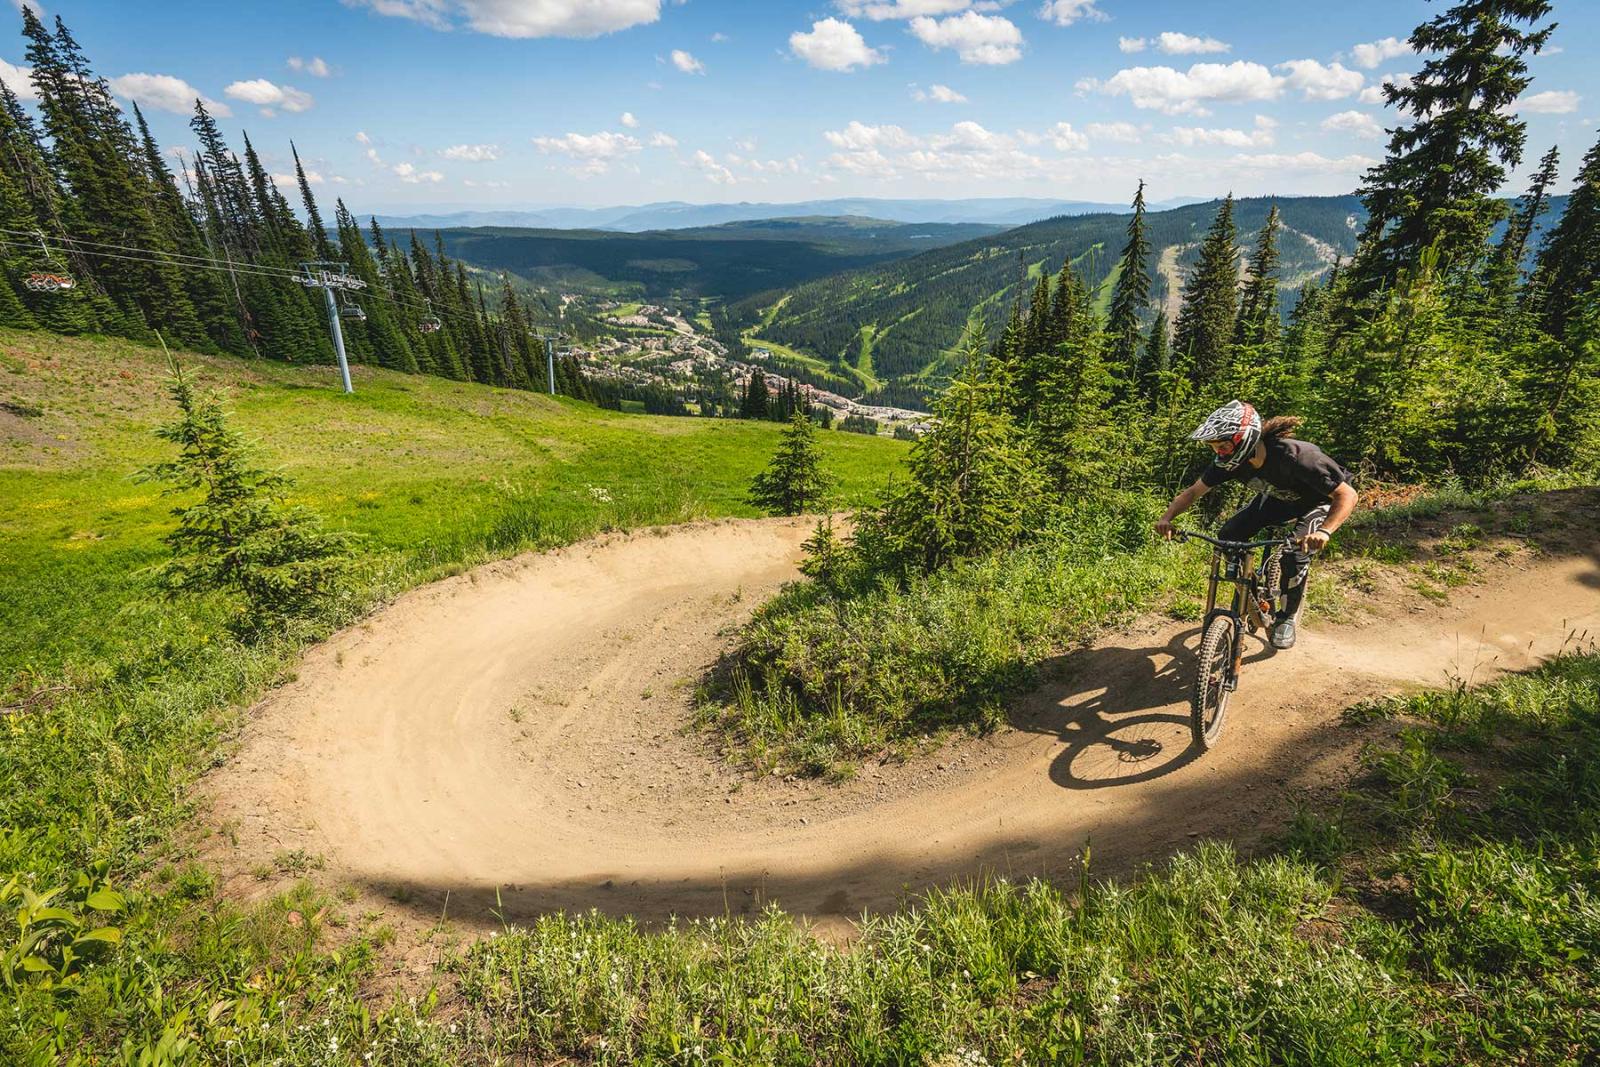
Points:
(352, 311)
(431, 323)
(50, 277)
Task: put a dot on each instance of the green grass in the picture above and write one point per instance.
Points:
(423, 470)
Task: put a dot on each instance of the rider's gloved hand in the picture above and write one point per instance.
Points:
(1315, 541)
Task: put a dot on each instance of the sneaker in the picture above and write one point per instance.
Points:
(1283, 634)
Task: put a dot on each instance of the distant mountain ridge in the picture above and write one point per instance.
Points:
(677, 215)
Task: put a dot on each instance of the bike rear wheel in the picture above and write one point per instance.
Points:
(1211, 687)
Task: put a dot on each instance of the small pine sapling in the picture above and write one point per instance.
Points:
(794, 482)
(240, 538)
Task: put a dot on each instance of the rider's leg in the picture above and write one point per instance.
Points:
(1296, 561)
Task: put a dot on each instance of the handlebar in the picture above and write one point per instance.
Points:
(1231, 546)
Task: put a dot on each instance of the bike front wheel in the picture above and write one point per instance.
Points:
(1211, 687)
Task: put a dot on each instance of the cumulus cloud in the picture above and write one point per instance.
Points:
(981, 39)
(1178, 92)
(1129, 45)
(879, 10)
(629, 121)
(594, 152)
(1373, 94)
(1369, 56)
(1122, 132)
(270, 97)
(1261, 137)
(937, 94)
(19, 80)
(472, 153)
(316, 66)
(1554, 102)
(686, 62)
(409, 174)
(523, 18)
(1066, 139)
(164, 92)
(1066, 12)
(834, 44)
(1317, 82)
(967, 152)
(1181, 44)
(715, 172)
(1356, 123)
(663, 140)
(1352, 165)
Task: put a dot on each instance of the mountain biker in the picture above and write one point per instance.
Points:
(1293, 481)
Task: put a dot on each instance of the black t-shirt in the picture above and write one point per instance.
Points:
(1291, 470)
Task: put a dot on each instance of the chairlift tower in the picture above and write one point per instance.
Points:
(328, 276)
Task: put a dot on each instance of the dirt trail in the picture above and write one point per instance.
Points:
(512, 737)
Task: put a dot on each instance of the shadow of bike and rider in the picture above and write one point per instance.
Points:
(1121, 713)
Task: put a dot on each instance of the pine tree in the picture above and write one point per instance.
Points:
(1203, 339)
(1569, 259)
(756, 399)
(1258, 308)
(1157, 358)
(1436, 187)
(794, 481)
(239, 537)
(1131, 296)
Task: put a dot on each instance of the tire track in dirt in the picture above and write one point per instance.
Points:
(512, 738)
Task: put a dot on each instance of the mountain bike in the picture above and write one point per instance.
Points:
(1257, 594)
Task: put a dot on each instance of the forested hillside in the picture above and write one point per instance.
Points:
(728, 262)
(907, 315)
(99, 237)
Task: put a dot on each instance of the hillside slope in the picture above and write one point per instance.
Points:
(428, 472)
(914, 310)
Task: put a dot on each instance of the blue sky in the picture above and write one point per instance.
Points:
(427, 104)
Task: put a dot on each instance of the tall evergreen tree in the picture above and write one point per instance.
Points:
(1202, 342)
(1258, 308)
(1437, 185)
(1569, 260)
(794, 481)
(1131, 296)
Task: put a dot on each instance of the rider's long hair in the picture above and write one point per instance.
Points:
(1281, 426)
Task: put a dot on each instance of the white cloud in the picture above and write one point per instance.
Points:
(1356, 123)
(983, 39)
(834, 44)
(1129, 45)
(1181, 44)
(362, 138)
(1332, 82)
(715, 172)
(1261, 137)
(289, 181)
(967, 152)
(879, 10)
(316, 66)
(595, 152)
(1066, 139)
(270, 97)
(409, 174)
(686, 62)
(471, 184)
(1373, 94)
(1306, 162)
(165, 92)
(937, 94)
(663, 140)
(1066, 12)
(719, 38)
(523, 18)
(1122, 132)
(1178, 92)
(1554, 102)
(1371, 55)
(472, 153)
(19, 80)
(629, 121)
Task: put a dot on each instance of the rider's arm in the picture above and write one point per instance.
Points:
(1181, 503)
(1343, 501)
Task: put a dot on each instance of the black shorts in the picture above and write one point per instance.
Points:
(1265, 511)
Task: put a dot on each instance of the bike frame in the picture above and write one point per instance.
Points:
(1247, 605)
